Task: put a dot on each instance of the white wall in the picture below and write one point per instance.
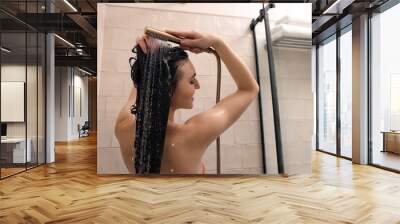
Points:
(34, 124)
(67, 79)
(14, 72)
(118, 27)
(296, 107)
(61, 103)
(81, 84)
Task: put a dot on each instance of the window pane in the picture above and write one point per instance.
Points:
(327, 96)
(346, 93)
(386, 89)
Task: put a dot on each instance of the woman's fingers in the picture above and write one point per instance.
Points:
(197, 50)
(146, 43)
(193, 49)
(191, 41)
(142, 43)
(184, 34)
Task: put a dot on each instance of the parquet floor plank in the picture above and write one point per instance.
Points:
(70, 191)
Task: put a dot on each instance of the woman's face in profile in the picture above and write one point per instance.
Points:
(186, 85)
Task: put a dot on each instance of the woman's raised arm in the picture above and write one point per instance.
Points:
(207, 126)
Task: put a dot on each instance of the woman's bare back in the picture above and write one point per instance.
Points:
(179, 156)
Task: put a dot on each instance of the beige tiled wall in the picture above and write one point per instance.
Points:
(118, 28)
(296, 107)
(293, 75)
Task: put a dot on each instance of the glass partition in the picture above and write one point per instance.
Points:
(22, 90)
(13, 103)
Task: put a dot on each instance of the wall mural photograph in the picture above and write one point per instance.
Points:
(183, 89)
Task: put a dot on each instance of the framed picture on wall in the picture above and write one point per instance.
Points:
(12, 101)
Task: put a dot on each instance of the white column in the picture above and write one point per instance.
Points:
(50, 92)
(50, 81)
(360, 90)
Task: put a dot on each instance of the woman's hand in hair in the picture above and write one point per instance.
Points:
(147, 43)
(194, 41)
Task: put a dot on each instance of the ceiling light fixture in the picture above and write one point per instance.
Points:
(70, 5)
(338, 6)
(65, 41)
(84, 71)
(5, 50)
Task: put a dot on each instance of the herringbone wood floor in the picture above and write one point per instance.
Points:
(70, 191)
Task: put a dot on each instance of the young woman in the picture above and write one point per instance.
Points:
(185, 144)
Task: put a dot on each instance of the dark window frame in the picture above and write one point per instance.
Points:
(334, 37)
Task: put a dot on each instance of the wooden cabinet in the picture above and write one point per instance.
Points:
(391, 142)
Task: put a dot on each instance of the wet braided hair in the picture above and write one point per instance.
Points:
(154, 76)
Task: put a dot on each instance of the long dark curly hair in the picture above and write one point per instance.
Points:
(154, 75)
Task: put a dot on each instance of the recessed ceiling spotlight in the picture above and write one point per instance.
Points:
(64, 40)
(84, 71)
(70, 5)
(5, 50)
(338, 6)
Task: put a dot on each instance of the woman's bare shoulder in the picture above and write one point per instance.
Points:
(178, 133)
(189, 132)
(125, 130)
